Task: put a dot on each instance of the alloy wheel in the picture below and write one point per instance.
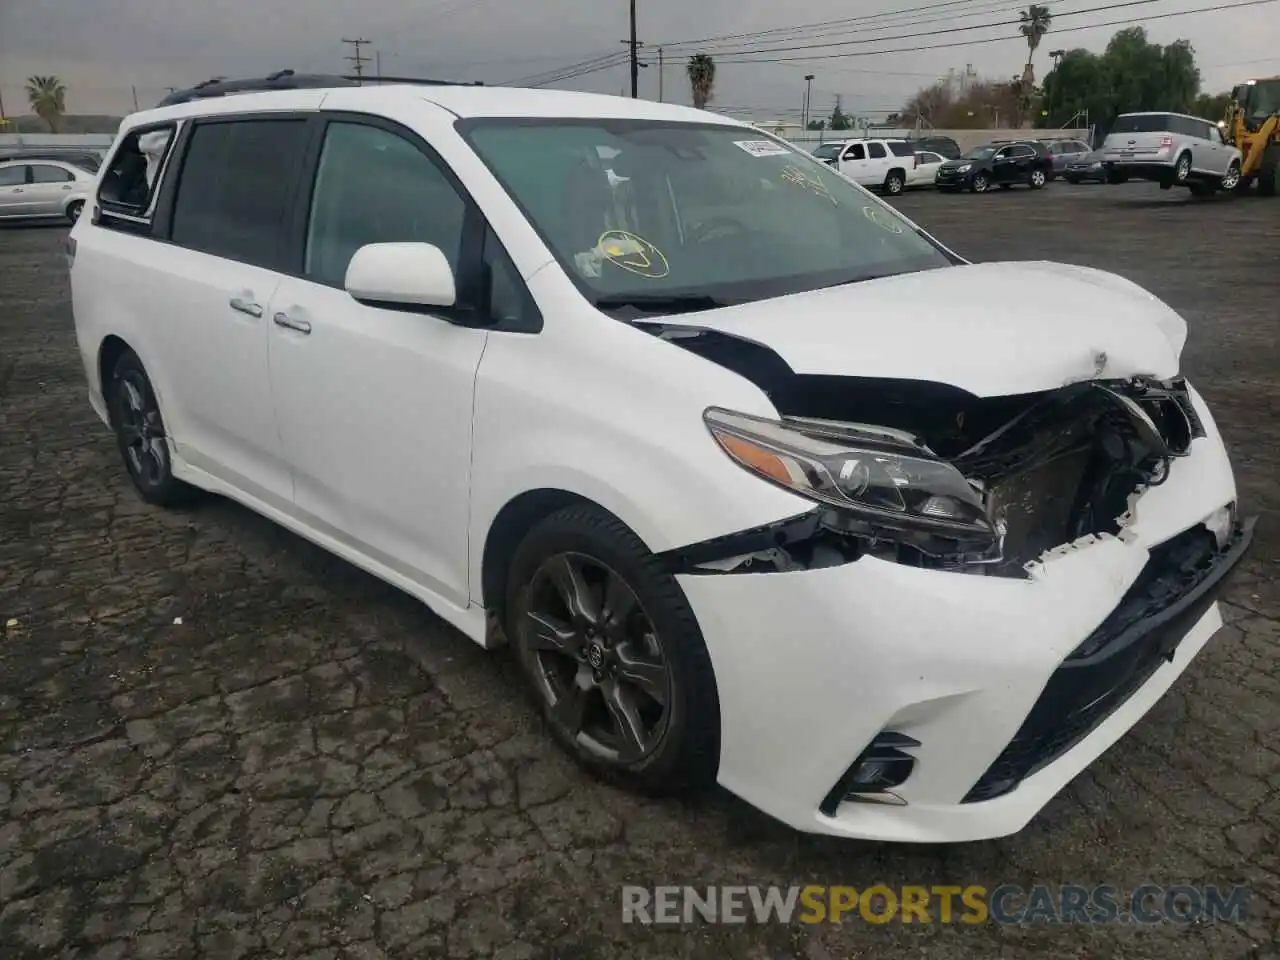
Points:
(1232, 179)
(1037, 178)
(141, 431)
(1184, 168)
(596, 658)
(979, 184)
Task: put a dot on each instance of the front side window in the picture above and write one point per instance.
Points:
(48, 173)
(828, 151)
(233, 188)
(981, 153)
(855, 152)
(692, 211)
(374, 186)
(14, 176)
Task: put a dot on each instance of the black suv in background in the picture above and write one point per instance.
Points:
(997, 164)
(943, 146)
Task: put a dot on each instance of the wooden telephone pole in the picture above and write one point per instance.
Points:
(358, 59)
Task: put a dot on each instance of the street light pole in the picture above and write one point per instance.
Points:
(808, 97)
(635, 58)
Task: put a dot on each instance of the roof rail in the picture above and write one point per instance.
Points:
(289, 80)
(280, 80)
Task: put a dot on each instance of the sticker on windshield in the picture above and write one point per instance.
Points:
(793, 174)
(883, 219)
(633, 254)
(762, 148)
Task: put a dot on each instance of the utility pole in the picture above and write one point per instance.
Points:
(134, 90)
(377, 64)
(357, 58)
(660, 75)
(635, 55)
(808, 99)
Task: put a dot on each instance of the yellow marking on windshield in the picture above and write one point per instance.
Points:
(815, 184)
(882, 219)
(633, 254)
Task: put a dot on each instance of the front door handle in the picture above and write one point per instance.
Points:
(246, 306)
(289, 323)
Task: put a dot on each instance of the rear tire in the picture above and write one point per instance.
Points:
(894, 183)
(580, 676)
(1182, 169)
(1037, 179)
(140, 435)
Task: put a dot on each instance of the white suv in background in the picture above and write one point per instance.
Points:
(761, 483)
(883, 164)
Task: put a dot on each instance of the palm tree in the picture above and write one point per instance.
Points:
(48, 98)
(702, 79)
(1035, 24)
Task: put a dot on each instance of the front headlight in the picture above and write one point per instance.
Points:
(964, 168)
(878, 479)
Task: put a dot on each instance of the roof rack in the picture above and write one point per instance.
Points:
(285, 80)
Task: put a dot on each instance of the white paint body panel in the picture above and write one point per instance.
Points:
(395, 440)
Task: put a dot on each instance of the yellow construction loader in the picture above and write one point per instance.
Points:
(1253, 127)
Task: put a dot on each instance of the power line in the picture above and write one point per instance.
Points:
(933, 33)
(742, 56)
(357, 59)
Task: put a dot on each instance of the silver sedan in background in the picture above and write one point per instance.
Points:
(33, 189)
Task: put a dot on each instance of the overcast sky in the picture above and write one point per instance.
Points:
(104, 49)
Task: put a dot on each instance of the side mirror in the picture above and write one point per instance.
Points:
(409, 274)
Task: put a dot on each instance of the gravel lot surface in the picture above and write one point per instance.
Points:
(310, 765)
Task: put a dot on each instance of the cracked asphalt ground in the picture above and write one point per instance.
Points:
(311, 765)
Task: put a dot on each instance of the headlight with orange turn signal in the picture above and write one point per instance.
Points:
(878, 481)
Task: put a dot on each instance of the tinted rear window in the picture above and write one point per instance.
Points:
(901, 149)
(231, 195)
(1142, 123)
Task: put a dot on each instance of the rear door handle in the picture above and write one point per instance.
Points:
(246, 306)
(289, 323)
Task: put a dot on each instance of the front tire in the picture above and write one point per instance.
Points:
(614, 654)
(140, 434)
(1232, 178)
(979, 183)
(894, 183)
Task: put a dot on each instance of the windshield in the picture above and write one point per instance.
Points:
(691, 216)
(828, 151)
(1264, 99)
(1142, 123)
(980, 153)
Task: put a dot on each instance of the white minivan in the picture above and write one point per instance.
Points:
(760, 482)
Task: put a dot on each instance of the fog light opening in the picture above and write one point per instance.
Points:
(881, 767)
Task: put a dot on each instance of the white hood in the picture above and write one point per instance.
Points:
(992, 329)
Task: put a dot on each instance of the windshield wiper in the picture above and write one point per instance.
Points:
(658, 303)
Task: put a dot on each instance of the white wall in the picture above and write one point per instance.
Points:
(87, 141)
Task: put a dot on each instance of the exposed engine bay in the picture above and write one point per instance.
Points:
(1047, 468)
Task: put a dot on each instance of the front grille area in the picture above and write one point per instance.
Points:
(1180, 581)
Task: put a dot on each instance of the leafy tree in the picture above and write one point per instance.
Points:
(839, 120)
(1131, 74)
(1211, 106)
(702, 79)
(48, 99)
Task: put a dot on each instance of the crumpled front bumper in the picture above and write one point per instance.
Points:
(812, 665)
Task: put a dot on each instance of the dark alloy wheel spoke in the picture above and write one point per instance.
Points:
(619, 602)
(566, 574)
(549, 634)
(570, 708)
(644, 674)
(130, 434)
(626, 717)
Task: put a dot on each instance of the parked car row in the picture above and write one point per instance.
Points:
(1168, 148)
(43, 189)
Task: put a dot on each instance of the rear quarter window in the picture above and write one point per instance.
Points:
(901, 149)
(132, 178)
